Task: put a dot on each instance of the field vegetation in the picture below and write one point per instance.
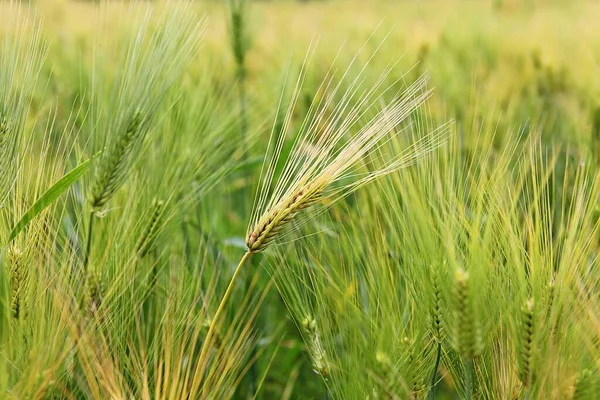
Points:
(300, 200)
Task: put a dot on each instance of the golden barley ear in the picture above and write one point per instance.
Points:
(271, 224)
(326, 161)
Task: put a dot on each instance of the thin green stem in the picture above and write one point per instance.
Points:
(241, 81)
(213, 323)
(88, 246)
(468, 378)
(435, 371)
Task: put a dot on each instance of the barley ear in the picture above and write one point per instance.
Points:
(437, 307)
(467, 332)
(271, 224)
(114, 165)
(151, 229)
(586, 385)
(417, 386)
(6, 157)
(386, 366)
(315, 347)
(94, 292)
(527, 338)
(19, 281)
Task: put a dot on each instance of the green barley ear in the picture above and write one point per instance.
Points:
(467, 332)
(417, 385)
(125, 106)
(114, 166)
(205, 326)
(6, 158)
(526, 345)
(437, 326)
(586, 385)
(386, 368)
(94, 292)
(19, 281)
(151, 229)
(239, 33)
(550, 295)
(315, 347)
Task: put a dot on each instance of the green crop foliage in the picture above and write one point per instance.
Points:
(326, 199)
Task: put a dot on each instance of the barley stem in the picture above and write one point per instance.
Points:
(435, 370)
(88, 246)
(468, 378)
(213, 323)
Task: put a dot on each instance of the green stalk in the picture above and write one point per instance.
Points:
(435, 370)
(468, 378)
(241, 74)
(213, 323)
(88, 246)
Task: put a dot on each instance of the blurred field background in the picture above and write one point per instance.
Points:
(504, 71)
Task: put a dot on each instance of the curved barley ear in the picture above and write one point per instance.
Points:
(526, 348)
(467, 332)
(19, 281)
(114, 165)
(315, 347)
(151, 229)
(270, 224)
(328, 157)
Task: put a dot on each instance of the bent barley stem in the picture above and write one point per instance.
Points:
(213, 323)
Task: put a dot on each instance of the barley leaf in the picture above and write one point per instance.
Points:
(49, 197)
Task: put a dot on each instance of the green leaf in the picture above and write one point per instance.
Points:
(49, 197)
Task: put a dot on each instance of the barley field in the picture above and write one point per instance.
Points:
(285, 199)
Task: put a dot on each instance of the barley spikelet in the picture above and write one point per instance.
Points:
(95, 291)
(436, 311)
(586, 385)
(467, 332)
(19, 281)
(271, 224)
(527, 333)
(151, 230)
(417, 386)
(324, 163)
(386, 366)
(7, 157)
(216, 338)
(315, 347)
(114, 166)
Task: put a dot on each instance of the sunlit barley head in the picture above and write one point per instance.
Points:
(343, 131)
